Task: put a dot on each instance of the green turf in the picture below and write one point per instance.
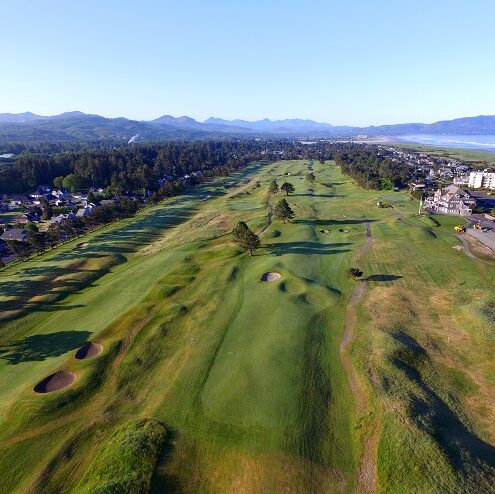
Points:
(246, 375)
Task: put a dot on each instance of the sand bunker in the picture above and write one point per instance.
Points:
(271, 277)
(82, 245)
(59, 380)
(89, 350)
(324, 231)
(343, 231)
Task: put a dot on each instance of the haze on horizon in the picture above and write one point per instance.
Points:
(368, 63)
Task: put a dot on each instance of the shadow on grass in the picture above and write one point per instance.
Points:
(318, 223)
(325, 196)
(383, 277)
(161, 481)
(308, 248)
(39, 347)
(464, 449)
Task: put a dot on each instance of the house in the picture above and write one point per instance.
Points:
(17, 234)
(22, 219)
(451, 200)
(40, 191)
(60, 217)
(461, 179)
(83, 212)
(79, 195)
(18, 200)
(417, 186)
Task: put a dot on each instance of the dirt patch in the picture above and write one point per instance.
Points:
(271, 276)
(89, 350)
(58, 380)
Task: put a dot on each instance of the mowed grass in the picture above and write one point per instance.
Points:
(245, 375)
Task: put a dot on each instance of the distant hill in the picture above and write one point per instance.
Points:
(81, 126)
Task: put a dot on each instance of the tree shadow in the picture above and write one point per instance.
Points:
(326, 196)
(318, 223)
(162, 481)
(308, 248)
(432, 415)
(39, 347)
(383, 277)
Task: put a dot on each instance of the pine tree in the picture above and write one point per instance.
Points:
(283, 211)
(310, 177)
(273, 189)
(245, 238)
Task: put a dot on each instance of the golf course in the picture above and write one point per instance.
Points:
(153, 355)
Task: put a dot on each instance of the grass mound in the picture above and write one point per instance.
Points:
(125, 464)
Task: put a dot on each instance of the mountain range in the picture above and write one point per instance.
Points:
(81, 126)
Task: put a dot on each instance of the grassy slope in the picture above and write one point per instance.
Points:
(127, 461)
(246, 376)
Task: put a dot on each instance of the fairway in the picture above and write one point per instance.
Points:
(269, 373)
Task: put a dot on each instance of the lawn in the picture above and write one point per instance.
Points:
(249, 378)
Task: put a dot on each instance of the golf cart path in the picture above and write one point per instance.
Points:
(467, 250)
(367, 475)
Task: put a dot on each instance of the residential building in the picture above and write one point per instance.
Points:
(451, 200)
(17, 234)
(482, 180)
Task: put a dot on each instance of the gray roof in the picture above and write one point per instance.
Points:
(14, 234)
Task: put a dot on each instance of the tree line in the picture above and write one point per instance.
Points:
(146, 167)
(370, 167)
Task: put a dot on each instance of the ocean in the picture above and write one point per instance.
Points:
(484, 142)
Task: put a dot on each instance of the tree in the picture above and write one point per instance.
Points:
(91, 198)
(354, 273)
(20, 249)
(283, 211)
(46, 208)
(58, 182)
(73, 182)
(273, 189)
(287, 187)
(310, 177)
(386, 184)
(37, 240)
(245, 238)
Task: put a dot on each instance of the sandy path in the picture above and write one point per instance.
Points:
(270, 221)
(367, 474)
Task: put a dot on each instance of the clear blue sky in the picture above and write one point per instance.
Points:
(344, 62)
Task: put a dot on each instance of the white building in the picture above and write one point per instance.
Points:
(482, 180)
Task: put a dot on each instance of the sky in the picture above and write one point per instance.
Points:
(352, 62)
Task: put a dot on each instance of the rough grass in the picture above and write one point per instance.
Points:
(126, 462)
